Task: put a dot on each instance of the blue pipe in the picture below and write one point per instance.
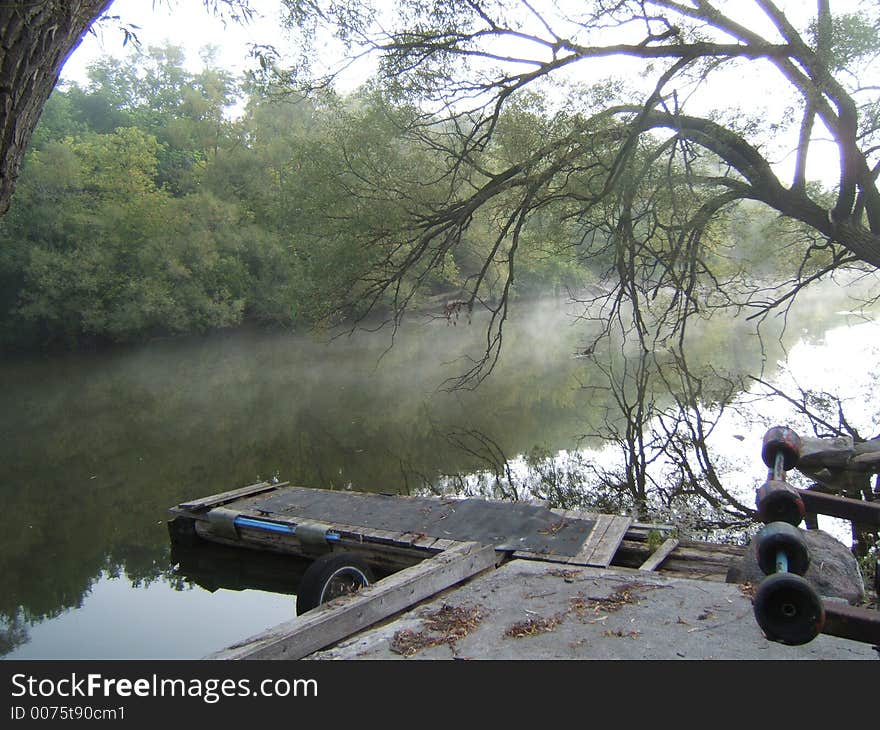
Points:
(276, 527)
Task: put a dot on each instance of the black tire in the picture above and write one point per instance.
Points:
(778, 502)
(780, 536)
(788, 609)
(329, 577)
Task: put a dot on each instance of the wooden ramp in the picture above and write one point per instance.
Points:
(394, 531)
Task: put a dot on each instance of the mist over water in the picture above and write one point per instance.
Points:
(95, 448)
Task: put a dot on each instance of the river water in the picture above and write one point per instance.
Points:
(94, 449)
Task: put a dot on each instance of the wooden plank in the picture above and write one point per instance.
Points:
(660, 554)
(356, 532)
(700, 550)
(225, 497)
(600, 546)
(545, 557)
(390, 557)
(342, 617)
(425, 542)
(602, 523)
(442, 543)
(382, 537)
(604, 551)
(652, 526)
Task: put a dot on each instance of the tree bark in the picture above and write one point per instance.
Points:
(36, 38)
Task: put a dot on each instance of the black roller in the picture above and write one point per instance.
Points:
(788, 609)
(779, 502)
(782, 537)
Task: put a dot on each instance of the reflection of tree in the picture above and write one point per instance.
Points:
(665, 413)
(13, 633)
(651, 416)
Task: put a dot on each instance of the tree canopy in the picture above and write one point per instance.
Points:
(642, 147)
(463, 169)
(147, 206)
(36, 40)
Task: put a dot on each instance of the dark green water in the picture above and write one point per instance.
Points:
(94, 448)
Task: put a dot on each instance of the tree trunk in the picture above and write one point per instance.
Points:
(36, 37)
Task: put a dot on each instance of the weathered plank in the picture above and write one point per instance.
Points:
(425, 542)
(605, 537)
(691, 559)
(600, 546)
(444, 544)
(216, 500)
(383, 556)
(660, 554)
(604, 551)
(334, 621)
(647, 527)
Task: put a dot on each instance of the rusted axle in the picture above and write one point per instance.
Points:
(852, 622)
(855, 510)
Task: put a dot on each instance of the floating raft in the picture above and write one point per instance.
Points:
(395, 531)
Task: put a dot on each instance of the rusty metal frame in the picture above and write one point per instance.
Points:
(852, 622)
(842, 620)
(855, 510)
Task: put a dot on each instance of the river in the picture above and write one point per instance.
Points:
(95, 447)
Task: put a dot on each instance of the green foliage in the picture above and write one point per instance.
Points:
(868, 563)
(146, 207)
(853, 37)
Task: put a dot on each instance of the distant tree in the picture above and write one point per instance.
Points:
(37, 37)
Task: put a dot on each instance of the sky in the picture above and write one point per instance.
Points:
(181, 22)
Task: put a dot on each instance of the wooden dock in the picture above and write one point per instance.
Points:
(422, 546)
(393, 531)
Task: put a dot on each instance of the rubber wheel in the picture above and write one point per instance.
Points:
(789, 539)
(331, 576)
(777, 502)
(781, 438)
(788, 609)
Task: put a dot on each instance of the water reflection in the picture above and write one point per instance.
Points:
(95, 447)
(116, 621)
(214, 567)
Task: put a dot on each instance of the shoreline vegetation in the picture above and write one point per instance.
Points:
(147, 209)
